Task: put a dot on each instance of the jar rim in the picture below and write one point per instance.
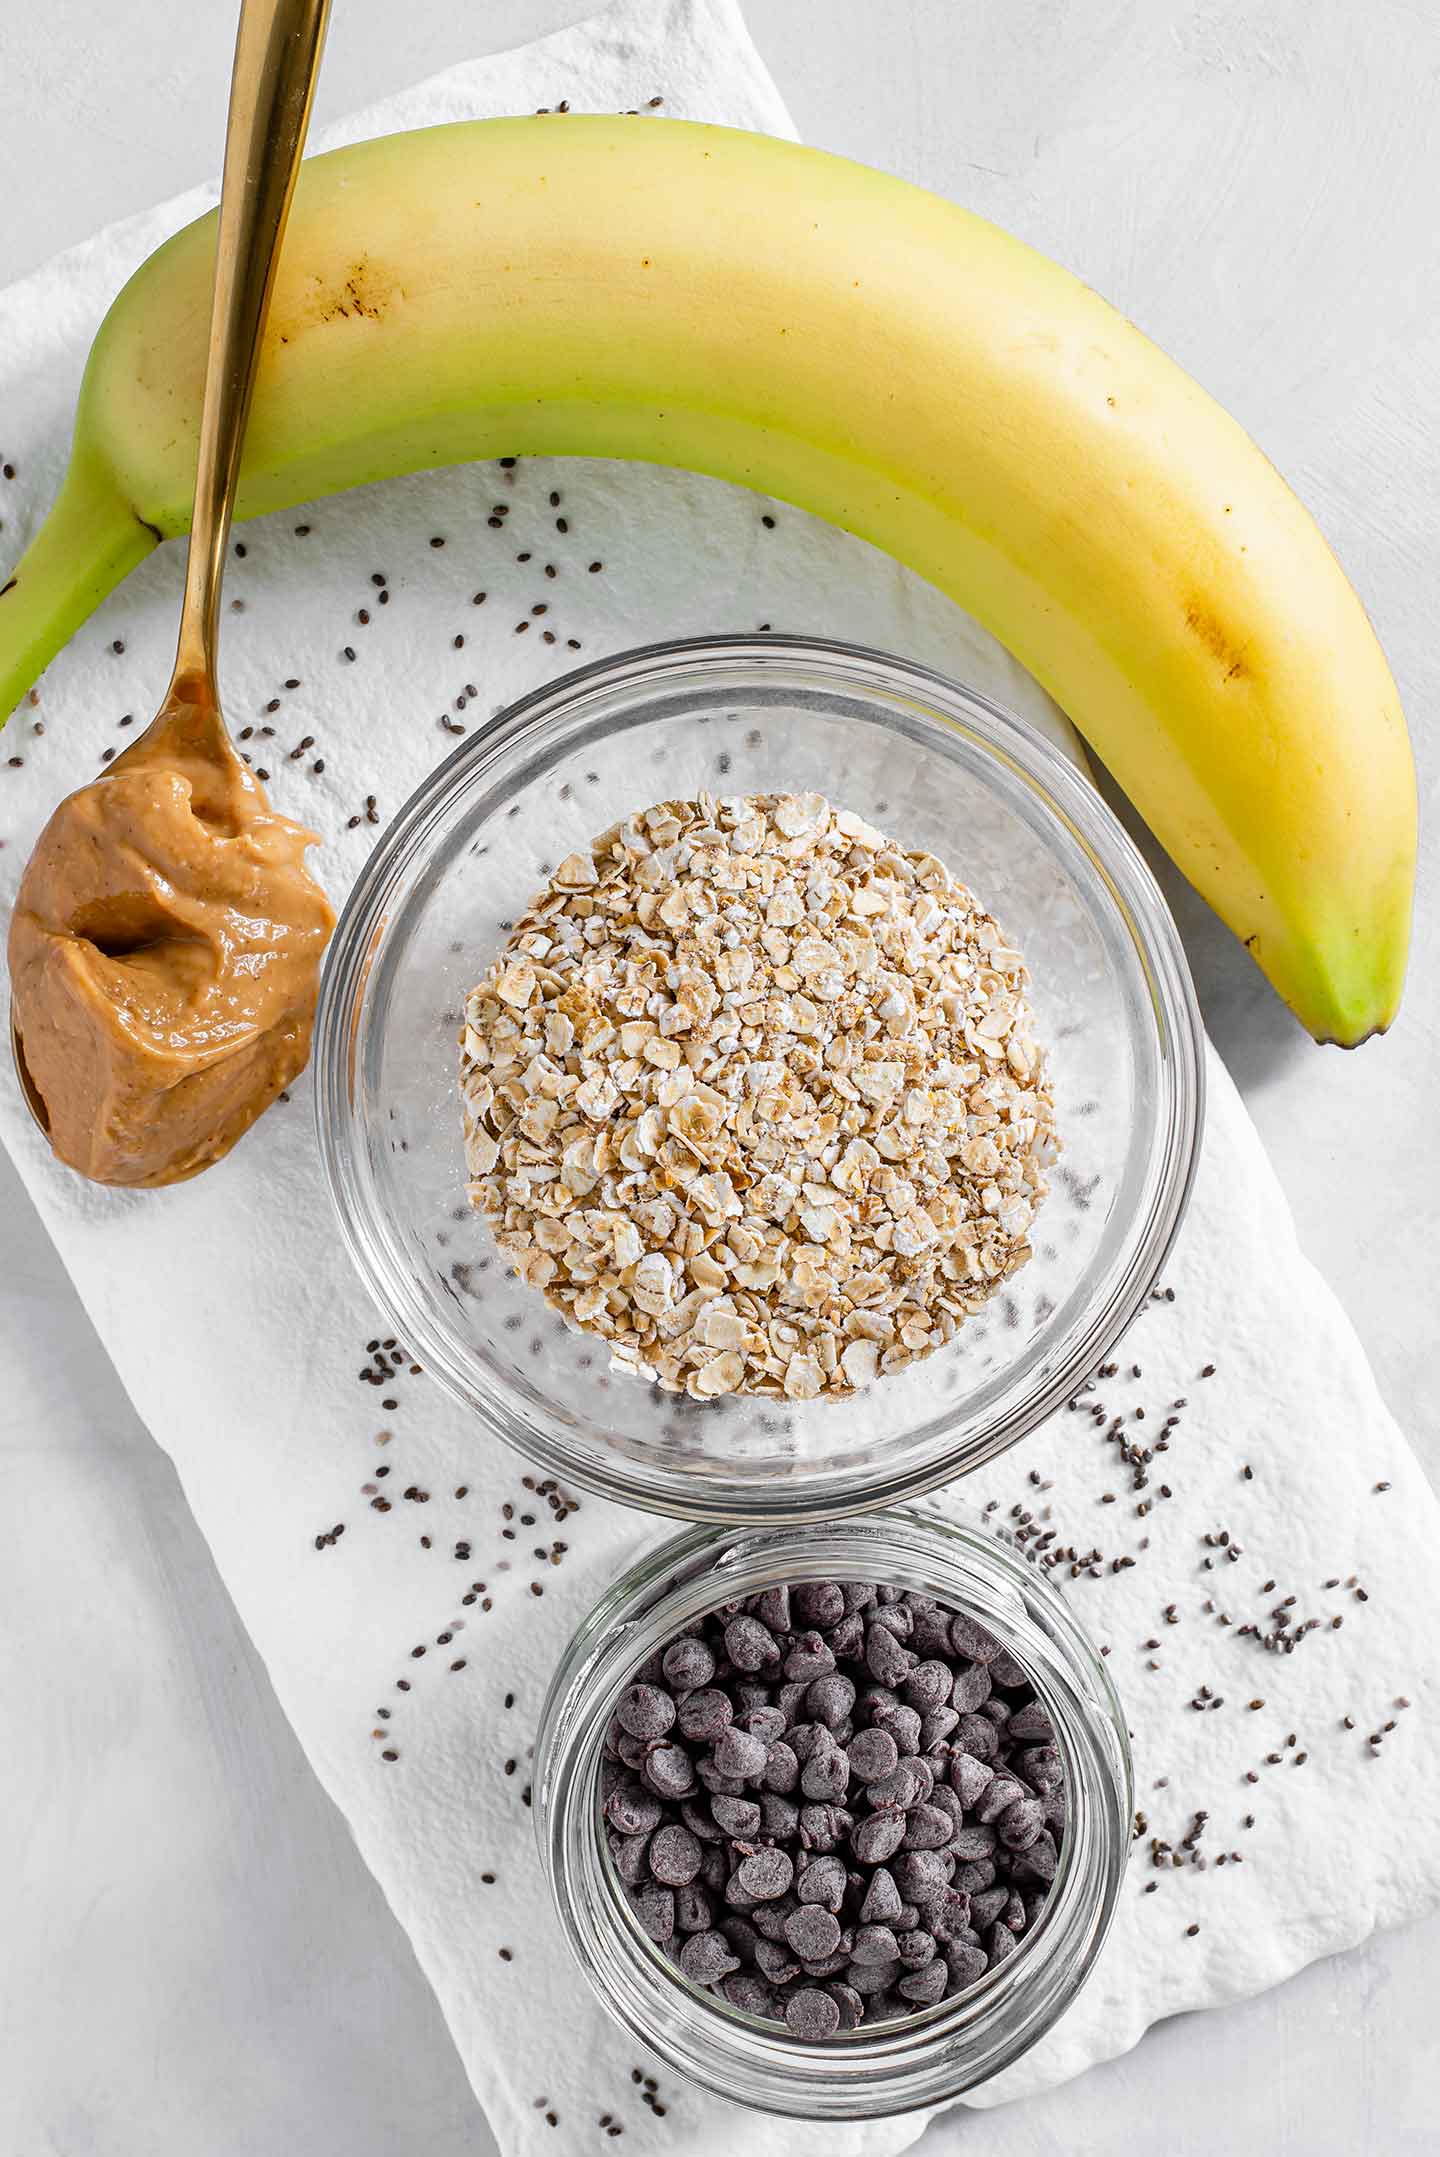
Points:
(921, 2060)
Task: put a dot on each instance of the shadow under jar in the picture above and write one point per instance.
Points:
(935, 2054)
(935, 766)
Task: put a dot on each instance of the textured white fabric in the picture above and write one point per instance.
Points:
(252, 1386)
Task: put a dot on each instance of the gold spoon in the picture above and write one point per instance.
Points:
(272, 86)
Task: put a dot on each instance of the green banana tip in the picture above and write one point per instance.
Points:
(91, 539)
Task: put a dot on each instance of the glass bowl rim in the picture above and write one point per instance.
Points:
(1111, 856)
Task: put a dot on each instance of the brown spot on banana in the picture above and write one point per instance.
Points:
(1216, 640)
(364, 293)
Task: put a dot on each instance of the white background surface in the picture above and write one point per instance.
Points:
(195, 1963)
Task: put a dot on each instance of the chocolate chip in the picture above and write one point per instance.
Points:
(737, 1753)
(830, 1699)
(782, 1768)
(977, 1734)
(812, 1931)
(749, 1993)
(1002, 1792)
(768, 1918)
(926, 1985)
(917, 1947)
(675, 1855)
(928, 1828)
(826, 1775)
(688, 1664)
(874, 1943)
(630, 1853)
(885, 1659)
(971, 1640)
(645, 1711)
(669, 1772)
(882, 1904)
(873, 1755)
(902, 1723)
(1032, 1723)
(823, 1882)
(928, 1685)
(765, 1874)
(812, 2015)
(973, 1842)
(879, 1836)
(765, 1723)
(971, 1688)
(1021, 1824)
(824, 1827)
(1000, 1943)
(655, 1908)
(706, 1957)
(749, 1645)
(632, 1811)
(693, 1910)
(811, 1657)
(705, 1715)
(819, 1603)
(920, 1873)
(965, 1963)
(903, 1787)
(987, 1905)
(1004, 1670)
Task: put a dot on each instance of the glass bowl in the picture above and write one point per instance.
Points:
(937, 767)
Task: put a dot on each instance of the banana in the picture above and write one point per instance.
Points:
(696, 296)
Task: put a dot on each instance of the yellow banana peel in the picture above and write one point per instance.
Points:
(701, 297)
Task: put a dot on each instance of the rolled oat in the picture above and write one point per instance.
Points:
(752, 1094)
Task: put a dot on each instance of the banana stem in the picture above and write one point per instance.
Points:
(90, 540)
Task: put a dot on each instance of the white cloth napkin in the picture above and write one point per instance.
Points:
(238, 1329)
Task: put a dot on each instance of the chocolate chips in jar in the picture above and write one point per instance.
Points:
(809, 1812)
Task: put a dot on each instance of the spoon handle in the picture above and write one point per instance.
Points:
(277, 58)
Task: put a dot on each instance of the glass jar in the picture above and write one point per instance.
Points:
(934, 2055)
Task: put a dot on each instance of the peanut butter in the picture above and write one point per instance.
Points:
(164, 957)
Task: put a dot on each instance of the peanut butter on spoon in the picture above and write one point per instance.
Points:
(166, 944)
(164, 957)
